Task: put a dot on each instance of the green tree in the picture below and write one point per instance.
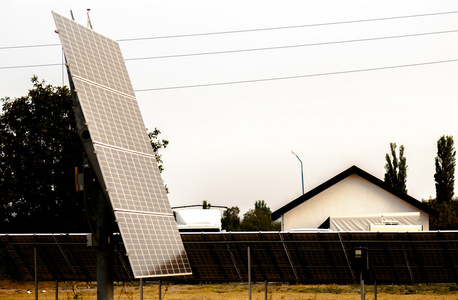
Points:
(445, 169)
(39, 148)
(447, 219)
(396, 169)
(231, 220)
(206, 205)
(262, 205)
(259, 218)
(255, 220)
(157, 145)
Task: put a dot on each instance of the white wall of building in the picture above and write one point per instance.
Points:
(352, 195)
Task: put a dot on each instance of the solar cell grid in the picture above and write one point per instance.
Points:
(324, 274)
(113, 118)
(191, 238)
(313, 258)
(310, 245)
(338, 257)
(378, 258)
(384, 273)
(327, 236)
(302, 236)
(123, 150)
(168, 258)
(106, 65)
(212, 273)
(270, 236)
(123, 190)
(200, 257)
(224, 257)
(231, 272)
(439, 274)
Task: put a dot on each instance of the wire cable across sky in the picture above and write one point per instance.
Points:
(248, 30)
(293, 46)
(298, 76)
(253, 49)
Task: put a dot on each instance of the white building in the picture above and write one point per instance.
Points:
(353, 192)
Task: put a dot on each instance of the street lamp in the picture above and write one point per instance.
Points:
(302, 171)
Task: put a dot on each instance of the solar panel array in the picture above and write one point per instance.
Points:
(123, 151)
(62, 257)
(312, 257)
(323, 257)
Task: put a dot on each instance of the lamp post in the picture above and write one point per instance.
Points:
(302, 171)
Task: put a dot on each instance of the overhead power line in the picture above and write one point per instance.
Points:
(248, 30)
(287, 27)
(253, 49)
(28, 46)
(296, 76)
(291, 46)
(31, 66)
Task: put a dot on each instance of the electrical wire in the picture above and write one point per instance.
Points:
(248, 30)
(291, 46)
(253, 49)
(28, 46)
(286, 27)
(296, 76)
(30, 66)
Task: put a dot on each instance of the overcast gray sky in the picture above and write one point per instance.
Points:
(359, 78)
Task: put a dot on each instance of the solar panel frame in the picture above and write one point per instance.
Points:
(122, 150)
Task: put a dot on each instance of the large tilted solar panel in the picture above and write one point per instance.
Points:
(123, 150)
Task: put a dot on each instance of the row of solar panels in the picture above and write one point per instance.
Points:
(307, 257)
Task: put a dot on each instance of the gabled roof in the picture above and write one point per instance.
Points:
(339, 177)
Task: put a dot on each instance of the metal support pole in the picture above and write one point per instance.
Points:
(36, 271)
(375, 289)
(361, 280)
(265, 290)
(160, 289)
(57, 289)
(141, 288)
(104, 251)
(249, 274)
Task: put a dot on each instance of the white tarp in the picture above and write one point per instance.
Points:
(364, 222)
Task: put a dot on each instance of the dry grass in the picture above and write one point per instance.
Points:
(68, 290)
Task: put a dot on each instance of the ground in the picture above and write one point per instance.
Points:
(72, 290)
